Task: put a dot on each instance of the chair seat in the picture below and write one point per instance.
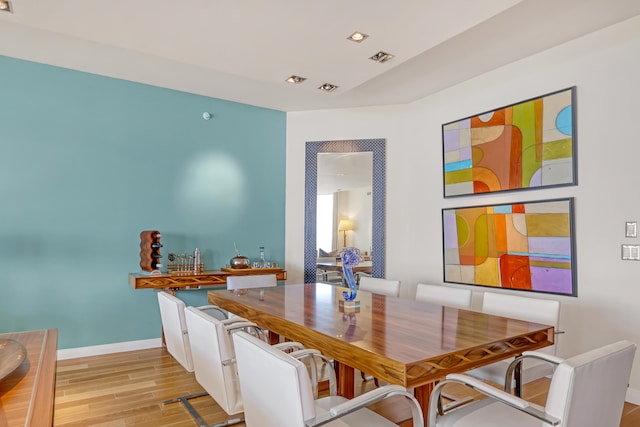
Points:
(488, 413)
(361, 418)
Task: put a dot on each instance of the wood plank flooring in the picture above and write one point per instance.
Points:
(127, 389)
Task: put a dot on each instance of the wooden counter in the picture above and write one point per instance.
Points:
(27, 394)
(208, 279)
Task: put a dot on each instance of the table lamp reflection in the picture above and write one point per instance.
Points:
(345, 225)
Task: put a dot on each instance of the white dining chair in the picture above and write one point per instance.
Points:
(537, 310)
(325, 275)
(237, 283)
(377, 285)
(174, 328)
(380, 286)
(253, 281)
(587, 390)
(277, 393)
(449, 297)
(444, 295)
(215, 367)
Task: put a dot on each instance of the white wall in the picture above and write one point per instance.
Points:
(605, 67)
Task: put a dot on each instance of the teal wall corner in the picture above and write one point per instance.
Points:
(88, 162)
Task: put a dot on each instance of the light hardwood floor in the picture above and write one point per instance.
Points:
(127, 389)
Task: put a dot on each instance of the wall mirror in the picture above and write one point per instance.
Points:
(354, 172)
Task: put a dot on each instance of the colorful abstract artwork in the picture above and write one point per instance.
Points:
(527, 246)
(521, 146)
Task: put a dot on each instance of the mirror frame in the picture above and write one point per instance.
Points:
(377, 147)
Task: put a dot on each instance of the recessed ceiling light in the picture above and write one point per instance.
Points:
(5, 6)
(357, 37)
(296, 79)
(381, 57)
(328, 87)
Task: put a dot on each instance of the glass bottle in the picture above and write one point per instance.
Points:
(262, 263)
(196, 261)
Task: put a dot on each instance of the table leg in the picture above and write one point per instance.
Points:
(422, 395)
(345, 380)
(273, 338)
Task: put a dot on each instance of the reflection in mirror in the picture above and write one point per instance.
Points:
(343, 207)
(344, 201)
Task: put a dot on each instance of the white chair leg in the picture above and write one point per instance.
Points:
(369, 378)
(455, 402)
(194, 413)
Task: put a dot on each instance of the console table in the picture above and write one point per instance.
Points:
(205, 279)
(27, 394)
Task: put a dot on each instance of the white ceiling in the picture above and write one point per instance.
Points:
(243, 50)
(344, 171)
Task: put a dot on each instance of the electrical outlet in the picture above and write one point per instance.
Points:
(631, 229)
(631, 252)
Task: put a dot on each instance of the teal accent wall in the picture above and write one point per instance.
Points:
(88, 162)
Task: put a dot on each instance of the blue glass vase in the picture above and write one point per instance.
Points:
(351, 282)
(350, 257)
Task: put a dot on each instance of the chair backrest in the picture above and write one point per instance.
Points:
(255, 281)
(444, 295)
(537, 310)
(175, 329)
(589, 389)
(380, 286)
(210, 347)
(276, 387)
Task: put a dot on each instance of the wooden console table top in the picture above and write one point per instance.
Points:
(27, 394)
(210, 279)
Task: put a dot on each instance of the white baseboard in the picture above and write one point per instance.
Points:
(633, 396)
(97, 350)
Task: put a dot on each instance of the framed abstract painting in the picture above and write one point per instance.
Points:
(526, 145)
(527, 246)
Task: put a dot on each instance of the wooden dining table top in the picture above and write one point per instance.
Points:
(400, 341)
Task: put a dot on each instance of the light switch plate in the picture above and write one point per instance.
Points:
(631, 229)
(631, 252)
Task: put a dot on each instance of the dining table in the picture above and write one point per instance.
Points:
(397, 340)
